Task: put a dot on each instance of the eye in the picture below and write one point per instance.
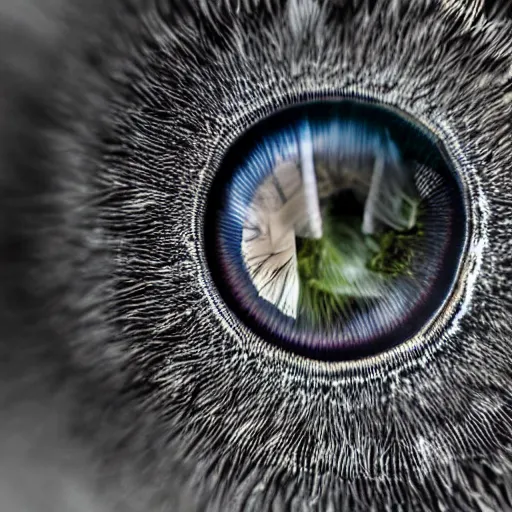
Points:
(354, 258)
(369, 368)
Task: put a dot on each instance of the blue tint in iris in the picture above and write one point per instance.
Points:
(358, 133)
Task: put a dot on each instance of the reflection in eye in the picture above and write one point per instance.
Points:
(352, 259)
(302, 214)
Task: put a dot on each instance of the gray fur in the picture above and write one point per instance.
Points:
(146, 392)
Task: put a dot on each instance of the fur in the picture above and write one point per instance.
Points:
(125, 382)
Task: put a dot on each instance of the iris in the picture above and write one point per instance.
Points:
(335, 228)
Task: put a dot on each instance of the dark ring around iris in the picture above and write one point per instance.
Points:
(223, 228)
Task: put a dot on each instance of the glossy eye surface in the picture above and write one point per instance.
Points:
(335, 228)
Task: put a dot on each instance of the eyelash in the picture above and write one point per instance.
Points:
(253, 420)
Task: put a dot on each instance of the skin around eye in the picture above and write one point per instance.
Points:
(351, 262)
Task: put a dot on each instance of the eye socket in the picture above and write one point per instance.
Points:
(335, 228)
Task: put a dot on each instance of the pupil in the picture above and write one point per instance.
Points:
(334, 229)
(316, 250)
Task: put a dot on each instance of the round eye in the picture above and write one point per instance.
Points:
(335, 228)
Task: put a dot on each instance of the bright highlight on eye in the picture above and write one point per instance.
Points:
(334, 228)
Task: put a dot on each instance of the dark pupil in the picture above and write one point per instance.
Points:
(334, 229)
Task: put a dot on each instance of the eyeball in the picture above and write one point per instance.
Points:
(335, 228)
